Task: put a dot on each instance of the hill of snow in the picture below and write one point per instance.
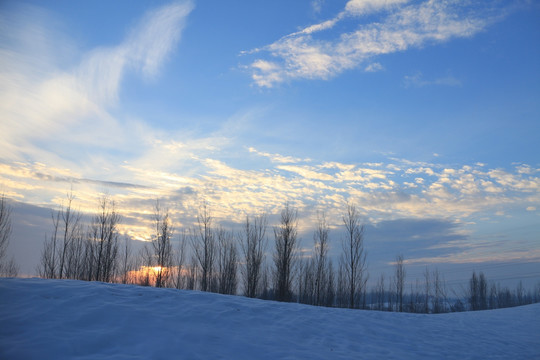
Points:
(64, 319)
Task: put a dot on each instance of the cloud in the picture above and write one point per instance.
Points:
(374, 67)
(418, 80)
(67, 105)
(301, 55)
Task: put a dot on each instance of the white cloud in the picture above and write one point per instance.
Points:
(418, 80)
(374, 67)
(302, 55)
(363, 7)
(65, 107)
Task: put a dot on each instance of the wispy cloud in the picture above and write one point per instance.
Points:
(43, 102)
(418, 80)
(301, 55)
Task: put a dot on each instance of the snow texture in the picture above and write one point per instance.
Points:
(64, 319)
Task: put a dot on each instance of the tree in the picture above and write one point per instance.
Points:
(253, 245)
(7, 268)
(399, 282)
(180, 255)
(62, 255)
(354, 256)
(104, 242)
(227, 262)
(285, 235)
(126, 261)
(320, 265)
(204, 246)
(162, 247)
(379, 293)
(478, 299)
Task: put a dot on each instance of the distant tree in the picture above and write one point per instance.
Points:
(253, 245)
(354, 256)
(204, 246)
(439, 292)
(320, 259)
(380, 293)
(427, 292)
(162, 247)
(179, 280)
(285, 235)
(478, 299)
(399, 282)
(330, 295)
(104, 241)
(62, 255)
(7, 267)
(227, 262)
(126, 261)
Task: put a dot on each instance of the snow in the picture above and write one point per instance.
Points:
(65, 319)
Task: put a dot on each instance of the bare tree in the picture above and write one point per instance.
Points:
(162, 247)
(7, 268)
(126, 261)
(354, 256)
(227, 262)
(62, 253)
(285, 235)
(180, 255)
(104, 241)
(253, 245)
(427, 291)
(379, 293)
(478, 291)
(399, 282)
(306, 281)
(70, 232)
(320, 265)
(439, 292)
(192, 275)
(204, 247)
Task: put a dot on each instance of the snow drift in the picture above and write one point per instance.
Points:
(64, 319)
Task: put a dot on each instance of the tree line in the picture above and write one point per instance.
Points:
(208, 257)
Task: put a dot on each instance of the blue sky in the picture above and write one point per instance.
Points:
(425, 114)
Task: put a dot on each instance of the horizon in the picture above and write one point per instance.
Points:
(423, 114)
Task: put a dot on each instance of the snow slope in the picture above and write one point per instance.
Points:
(63, 319)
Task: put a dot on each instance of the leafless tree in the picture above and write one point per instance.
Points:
(161, 245)
(399, 282)
(204, 246)
(427, 291)
(7, 267)
(253, 246)
(180, 255)
(379, 293)
(126, 261)
(306, 281)
(104, 241)
(342, 299)
(439, 292)
(71, 231)
(330, 291)
(192, 275)
(354, 256)
(227, 262)
(285, 235)
(62, 253)
(320, 259)
(478, 291)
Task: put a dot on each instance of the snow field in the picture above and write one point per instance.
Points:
(65, 319)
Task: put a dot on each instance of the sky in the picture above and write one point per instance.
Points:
(424, 114)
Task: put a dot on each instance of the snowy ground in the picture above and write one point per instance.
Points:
(61, 319)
